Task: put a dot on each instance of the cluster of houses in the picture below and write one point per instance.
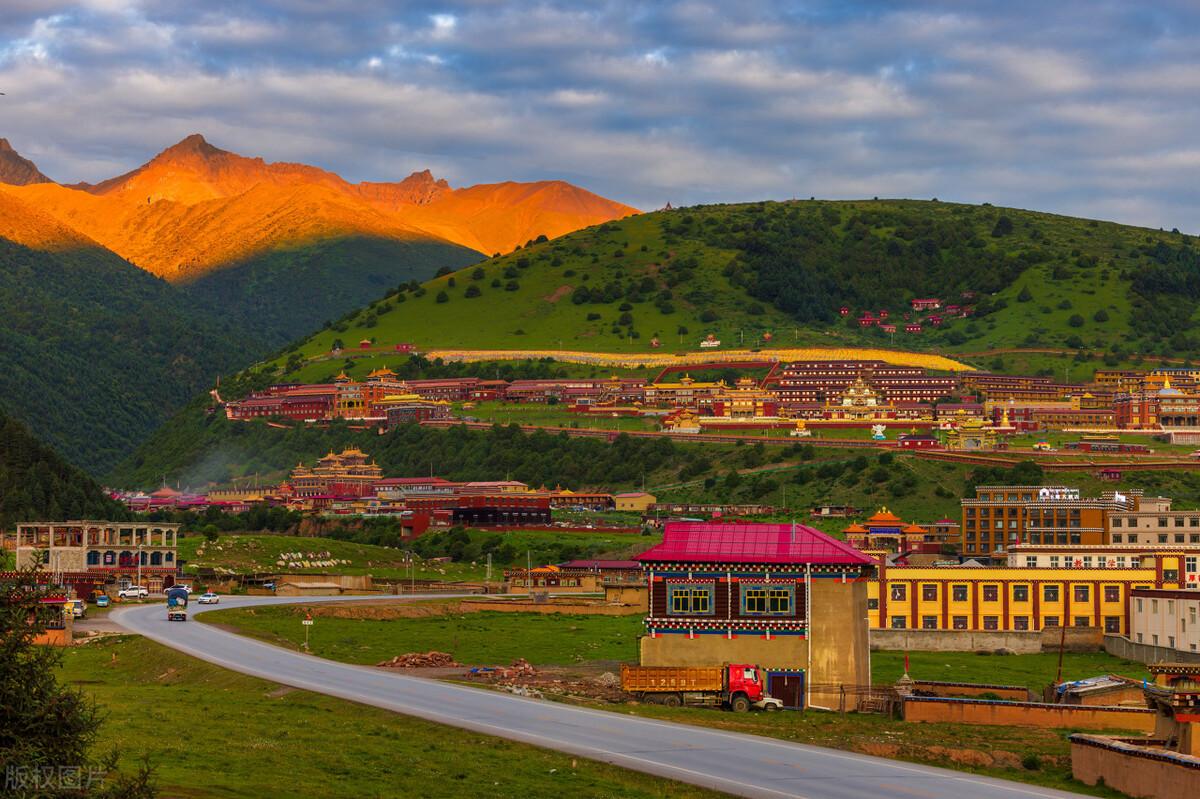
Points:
(925, 311)
(967, 410)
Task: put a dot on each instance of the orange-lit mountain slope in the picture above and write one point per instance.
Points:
(29, 226)
(499, 216)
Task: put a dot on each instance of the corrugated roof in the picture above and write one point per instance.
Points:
(711, 542)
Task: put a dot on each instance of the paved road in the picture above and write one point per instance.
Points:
(744, 765)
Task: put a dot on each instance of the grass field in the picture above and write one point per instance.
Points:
(485, 638)
(245, 554)
(214, 733)
(1032, 671)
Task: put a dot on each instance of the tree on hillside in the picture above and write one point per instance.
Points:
(48, 730)
(1004, 226)
(1026, 295)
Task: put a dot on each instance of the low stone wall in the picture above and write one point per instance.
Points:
(1026, 714)
(1015, 693)
(1134, 768)
(1078, 639)
(1122, 647)
(528, 606)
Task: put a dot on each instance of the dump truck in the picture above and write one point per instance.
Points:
(177, 599)
(736, 686)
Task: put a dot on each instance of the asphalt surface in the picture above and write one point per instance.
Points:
(744, 765)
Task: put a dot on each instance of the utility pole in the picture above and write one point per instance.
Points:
(488, 579)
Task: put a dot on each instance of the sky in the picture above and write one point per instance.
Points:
(1083, 108)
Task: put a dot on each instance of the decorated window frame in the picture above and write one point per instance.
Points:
(767, 599)
(691, 599)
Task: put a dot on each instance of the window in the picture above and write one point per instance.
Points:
(767, 600)
(1051, 621)
(1112, 624)
(169, 557)
(991, 593)
(1170, 575)
(1171, 641)
(1081, 621)
(1031, 561)
(899, 592)
(898, 622)
(1116, 522)
(1020, 622)
(1112, 593)
(1020, 593)
(156, 558)
(960, 622)
(1116, 539)
(929, 592)
(1162, 538)
(1081, 593)
(929, 622)
(991, 622)
(1179, 538)
(93, 558)
(872, 604)
(1162, 521)
(1050, 593)
(690, 600)
(959, 593)
(1054, 561)
(110, 558)
(1179, 521)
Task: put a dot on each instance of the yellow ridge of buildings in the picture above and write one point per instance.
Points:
(662, 359)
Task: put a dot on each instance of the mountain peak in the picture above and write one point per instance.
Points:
(18, 171)
(194, 144)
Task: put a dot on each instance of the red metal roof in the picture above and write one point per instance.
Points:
(713, 542)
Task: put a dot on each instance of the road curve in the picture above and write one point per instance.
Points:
(744, 765)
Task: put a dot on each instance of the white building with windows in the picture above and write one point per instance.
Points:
(1165, 618)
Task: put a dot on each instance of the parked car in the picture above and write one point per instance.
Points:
(102, 601)
(209, 598)
(269, 586)
(78, 608)
(133, 592)
(185, 586)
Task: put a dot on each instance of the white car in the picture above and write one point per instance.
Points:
(209, 598)
(133, 592)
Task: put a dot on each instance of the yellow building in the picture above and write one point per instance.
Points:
(634, 501)
(1006, 598)
(687, 393)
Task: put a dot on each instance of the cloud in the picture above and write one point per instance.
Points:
(1071, 107)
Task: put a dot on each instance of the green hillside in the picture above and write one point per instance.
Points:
(96, 353)
(286, 293)
(35, 483)
(736, 271)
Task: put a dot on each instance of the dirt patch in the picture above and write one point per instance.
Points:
(420, 660)
(558, 294)
(377, 612)
(281, 691)
(524, 679)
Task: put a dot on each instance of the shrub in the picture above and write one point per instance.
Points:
(442, 297)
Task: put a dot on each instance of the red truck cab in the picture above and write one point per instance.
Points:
(743, 678)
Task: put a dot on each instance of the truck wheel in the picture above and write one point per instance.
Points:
(672, 700)
(739, 704)
(771, 707)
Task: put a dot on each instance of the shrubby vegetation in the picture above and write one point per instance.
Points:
(35, 483)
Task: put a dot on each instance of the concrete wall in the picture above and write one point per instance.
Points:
(1027, 714)
(1016, 693)
(1122, 647)
(1078, 639)
(1134, 770)
(347, 582)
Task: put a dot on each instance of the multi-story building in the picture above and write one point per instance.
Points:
(119, 553)
(1154, 522)
(687, 393)
(999, 516)
(1181, 568)
(745, 401)
(350, 474)
(1018, 387)
(1165, 617)
(1163, 408)
(815, 382)
(1005, 598)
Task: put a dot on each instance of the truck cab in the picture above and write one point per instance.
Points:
(744, 680)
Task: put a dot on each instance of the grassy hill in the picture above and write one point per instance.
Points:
(737, 271)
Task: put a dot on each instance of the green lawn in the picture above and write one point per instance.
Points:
(1032, 671)
(214, 733)
(485, 638)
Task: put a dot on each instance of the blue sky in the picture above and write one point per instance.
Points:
(1088, 108)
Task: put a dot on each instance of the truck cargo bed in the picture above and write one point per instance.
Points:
(654, 679)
